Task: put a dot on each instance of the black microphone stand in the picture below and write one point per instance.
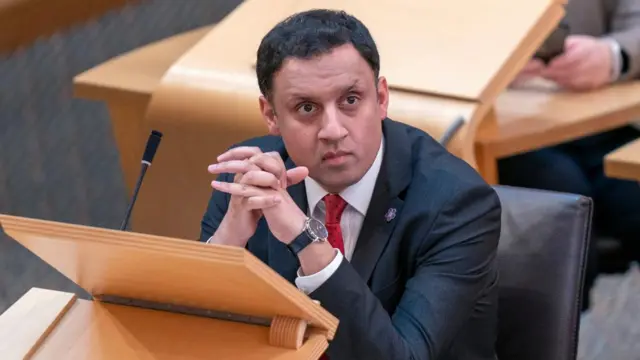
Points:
(149, 152)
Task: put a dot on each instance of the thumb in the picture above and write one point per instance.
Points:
(296, 175)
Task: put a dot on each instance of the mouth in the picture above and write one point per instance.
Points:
(336, 157)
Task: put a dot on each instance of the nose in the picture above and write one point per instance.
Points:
(332, 126)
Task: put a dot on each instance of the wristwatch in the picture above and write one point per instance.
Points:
(313, 231)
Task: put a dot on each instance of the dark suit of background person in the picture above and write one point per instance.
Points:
(421, 285)
(577, 166)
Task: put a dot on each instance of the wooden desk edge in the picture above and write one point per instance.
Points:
(624, 163)
(554, 135)
(32, 318)
(91, 91)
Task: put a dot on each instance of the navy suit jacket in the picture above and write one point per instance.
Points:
(421, 286)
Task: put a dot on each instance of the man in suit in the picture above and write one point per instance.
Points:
(392, 234)
(603, 48)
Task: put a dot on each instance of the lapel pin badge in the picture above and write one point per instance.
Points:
(390, 215)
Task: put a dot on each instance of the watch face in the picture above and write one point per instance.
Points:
(317, 229)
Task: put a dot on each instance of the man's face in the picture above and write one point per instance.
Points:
(328, 111)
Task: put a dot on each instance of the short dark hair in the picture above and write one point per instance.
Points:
(308, 34)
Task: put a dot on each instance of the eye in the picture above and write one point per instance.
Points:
(306, 109)
(351, 100)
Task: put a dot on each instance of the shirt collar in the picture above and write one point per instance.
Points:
(357, 195)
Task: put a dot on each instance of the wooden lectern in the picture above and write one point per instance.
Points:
(445, 61)
(156, 298)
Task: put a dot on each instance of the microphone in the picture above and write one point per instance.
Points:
(149, 152)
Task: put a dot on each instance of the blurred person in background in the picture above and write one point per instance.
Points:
(603, 48)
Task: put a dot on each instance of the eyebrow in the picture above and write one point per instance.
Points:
(303, 97)
(352, 86)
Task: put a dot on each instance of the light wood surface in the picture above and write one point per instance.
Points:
(205, 93)
(420, 49)
(136, 74)
(24, 21)
(126, 84)
(538, 114)
(178, 273)
(94, 330)
(624, 163)
(165, 270)
(27, 323)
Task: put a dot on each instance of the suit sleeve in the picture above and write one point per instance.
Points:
(625, 29)
(455, 266)
(216, 210)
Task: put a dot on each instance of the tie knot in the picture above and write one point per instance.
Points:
(334, 205)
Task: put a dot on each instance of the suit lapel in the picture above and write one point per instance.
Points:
(386, 202)
(375, 234)
(280, 258)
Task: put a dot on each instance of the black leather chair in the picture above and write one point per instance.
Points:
(542, 259)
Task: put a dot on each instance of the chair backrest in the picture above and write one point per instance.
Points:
(542, 259)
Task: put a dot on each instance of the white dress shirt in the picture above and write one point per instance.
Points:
(358, 196)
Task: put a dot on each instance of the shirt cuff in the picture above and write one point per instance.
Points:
(309, 284)
(616, 59)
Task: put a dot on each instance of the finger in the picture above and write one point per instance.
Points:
(565, 62)
(261, 178)
(272, 162)
(278, 158)
(239, 153)
(296, 175)
(243, 190)
(232, 166)
(261, 202)
(566, 75)
(583, 83)
(269, 163)
(533, 67)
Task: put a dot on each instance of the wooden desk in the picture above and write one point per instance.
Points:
(537, 116)
(136, 73)
(126, 83)
(624, 163)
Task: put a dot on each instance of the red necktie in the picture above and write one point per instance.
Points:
(334, 206)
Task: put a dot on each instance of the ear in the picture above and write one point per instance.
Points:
(269, 115)
(383, 97)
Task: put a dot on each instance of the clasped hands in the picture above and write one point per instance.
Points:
(259, 188)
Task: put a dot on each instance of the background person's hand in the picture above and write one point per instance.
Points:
(531, 70)
(585, 64)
